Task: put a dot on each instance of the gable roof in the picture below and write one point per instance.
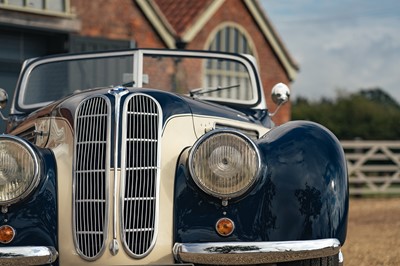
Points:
(273, 38)
(180, 21)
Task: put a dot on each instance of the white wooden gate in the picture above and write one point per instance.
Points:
(374, 166)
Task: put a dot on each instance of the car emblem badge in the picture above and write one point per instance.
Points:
(118, 90)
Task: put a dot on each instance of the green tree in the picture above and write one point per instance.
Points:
(368, 114)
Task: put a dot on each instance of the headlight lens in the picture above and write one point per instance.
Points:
(224, 164)
(18, 169)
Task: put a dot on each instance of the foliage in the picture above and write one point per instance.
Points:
(368, 114)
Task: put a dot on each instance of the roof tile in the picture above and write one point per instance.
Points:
(183, 13)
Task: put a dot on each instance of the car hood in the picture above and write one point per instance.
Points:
(171, 104)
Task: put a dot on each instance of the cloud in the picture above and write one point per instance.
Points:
(340, 45)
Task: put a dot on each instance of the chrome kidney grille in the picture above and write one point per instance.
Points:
(139, 161)
(91, 176)
(141, 129)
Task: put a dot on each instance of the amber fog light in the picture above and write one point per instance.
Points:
(7, 234)
(225, 226)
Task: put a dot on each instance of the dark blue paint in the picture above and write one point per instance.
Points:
(215, 110)
(175, 104)
(35, 218)
(171, 104)
(302, 192)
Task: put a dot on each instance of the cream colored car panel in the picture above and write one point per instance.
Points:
(177, 135)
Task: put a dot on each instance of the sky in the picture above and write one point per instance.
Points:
(340, 45)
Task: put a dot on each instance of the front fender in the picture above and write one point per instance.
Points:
(302, 193)
(306, 173)
(35, 217)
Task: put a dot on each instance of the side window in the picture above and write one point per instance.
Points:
(233, 39)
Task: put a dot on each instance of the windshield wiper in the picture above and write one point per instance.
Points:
(129, 84)
(201, 91)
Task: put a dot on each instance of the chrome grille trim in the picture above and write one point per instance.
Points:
(91, 170)
(140, 174)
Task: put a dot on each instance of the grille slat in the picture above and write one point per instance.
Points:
(91, 174)
(140, 172)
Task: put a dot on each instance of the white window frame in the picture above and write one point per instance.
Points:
(25, 7)
(232, 38)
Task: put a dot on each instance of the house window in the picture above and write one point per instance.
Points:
(233, 39)
(51, 7)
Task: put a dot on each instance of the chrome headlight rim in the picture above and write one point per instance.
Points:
(36, 173)
(228, 196)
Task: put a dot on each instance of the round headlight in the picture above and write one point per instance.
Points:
(224, 164)
(18, 169)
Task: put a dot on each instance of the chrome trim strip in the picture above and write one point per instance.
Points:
(117, 92)
(250, 253)
(138, 69)
(27, 255)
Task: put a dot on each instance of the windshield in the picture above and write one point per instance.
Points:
(210, 76)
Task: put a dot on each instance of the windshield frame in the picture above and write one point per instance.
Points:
(138, 56)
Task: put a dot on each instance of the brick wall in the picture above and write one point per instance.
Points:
(116, 19)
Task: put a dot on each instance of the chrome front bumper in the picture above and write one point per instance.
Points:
(27, 255)
(250, 253)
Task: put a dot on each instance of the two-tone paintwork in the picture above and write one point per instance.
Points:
(181, 128)
(301, 192)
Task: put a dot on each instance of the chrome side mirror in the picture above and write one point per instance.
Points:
(280, 95)
(3, 102)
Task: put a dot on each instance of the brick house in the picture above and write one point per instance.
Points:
(39, 27)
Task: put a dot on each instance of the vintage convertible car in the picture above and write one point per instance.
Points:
(162, 157)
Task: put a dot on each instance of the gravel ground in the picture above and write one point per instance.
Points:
(373, 236)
